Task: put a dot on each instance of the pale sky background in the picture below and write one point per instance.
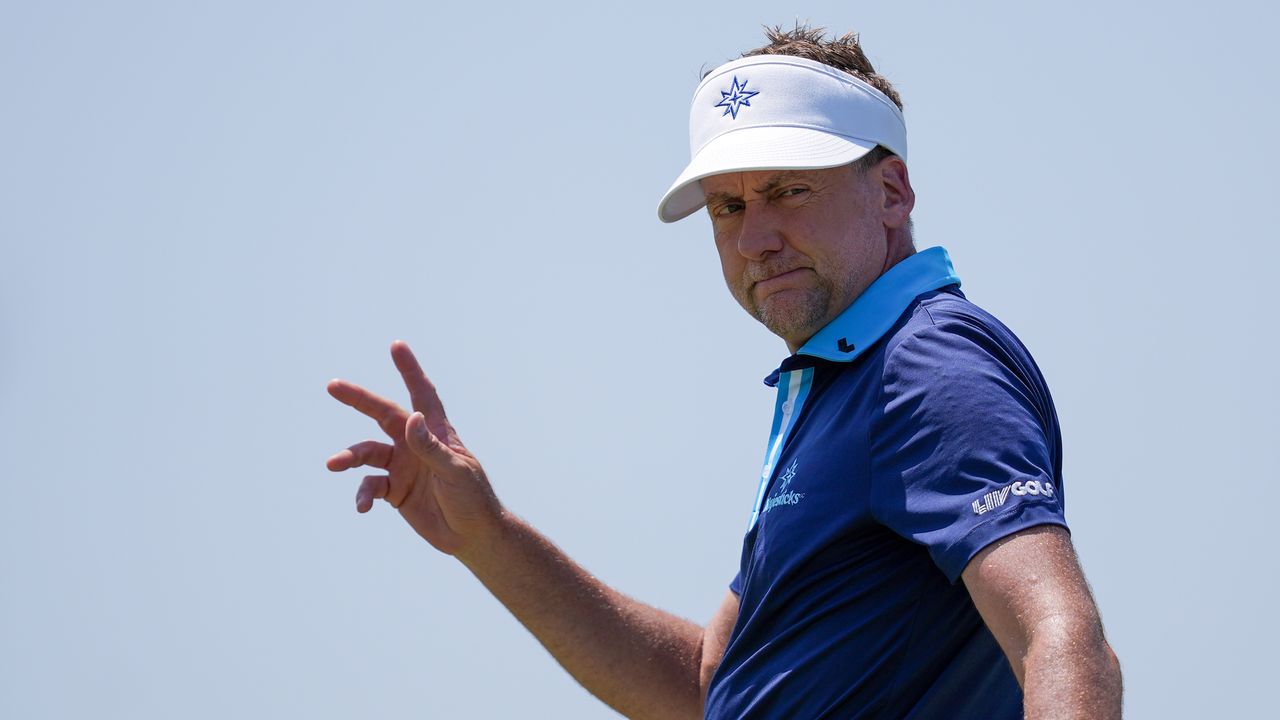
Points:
(207, 210)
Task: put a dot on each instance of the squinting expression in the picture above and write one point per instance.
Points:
(797, 246)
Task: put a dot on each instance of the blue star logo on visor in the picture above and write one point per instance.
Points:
(737, 96)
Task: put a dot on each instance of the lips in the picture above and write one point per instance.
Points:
(781, 281)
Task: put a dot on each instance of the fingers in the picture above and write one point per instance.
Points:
(372, 488)
(422, 393)
(424, 444)
(388, 415)
(369, 452)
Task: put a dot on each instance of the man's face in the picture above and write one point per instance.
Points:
(798, 246)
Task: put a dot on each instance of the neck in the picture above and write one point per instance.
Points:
(901, 246)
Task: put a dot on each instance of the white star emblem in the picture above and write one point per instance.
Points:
(788, 476)
(735, 98)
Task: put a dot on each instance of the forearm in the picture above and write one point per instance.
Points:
(1069, 674)
(1032, 595)
(641, 661)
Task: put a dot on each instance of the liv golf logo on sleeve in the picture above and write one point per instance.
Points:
(996, 498)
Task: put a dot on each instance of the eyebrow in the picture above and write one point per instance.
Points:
(771, 184)
(775, 181)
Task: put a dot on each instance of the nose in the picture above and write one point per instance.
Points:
(759, 234)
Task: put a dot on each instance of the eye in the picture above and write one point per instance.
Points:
(793, 191)
(726, 209)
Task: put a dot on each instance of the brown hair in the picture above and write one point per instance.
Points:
(843, 53)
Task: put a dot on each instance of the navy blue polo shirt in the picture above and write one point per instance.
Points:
(908, 434)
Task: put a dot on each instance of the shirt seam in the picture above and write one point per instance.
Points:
(871, 455)
(932, 319)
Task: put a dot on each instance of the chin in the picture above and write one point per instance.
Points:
(788, 319)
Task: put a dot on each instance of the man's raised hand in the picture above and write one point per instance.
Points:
(435, 482)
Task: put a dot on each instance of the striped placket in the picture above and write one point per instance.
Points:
(793, 390)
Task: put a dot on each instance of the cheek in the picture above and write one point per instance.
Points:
(733, 267)
(851, 255)
(732, 273)
(730, 260)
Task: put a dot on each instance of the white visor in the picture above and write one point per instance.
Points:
(777, 112)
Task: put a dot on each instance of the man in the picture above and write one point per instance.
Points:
(914, 444)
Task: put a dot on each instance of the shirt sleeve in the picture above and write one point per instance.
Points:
(965, 451)
(735, 585)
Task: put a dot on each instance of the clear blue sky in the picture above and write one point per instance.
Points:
(207, 210)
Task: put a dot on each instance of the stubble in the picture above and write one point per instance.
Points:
(793, 312)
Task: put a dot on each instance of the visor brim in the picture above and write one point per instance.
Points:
(758, 148)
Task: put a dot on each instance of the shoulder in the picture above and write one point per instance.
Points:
(965, 424)
(944, 333)
(944, 313)
(949, 361)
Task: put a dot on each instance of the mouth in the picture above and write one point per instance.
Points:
(783, 281)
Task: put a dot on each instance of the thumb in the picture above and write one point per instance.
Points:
(423, 444)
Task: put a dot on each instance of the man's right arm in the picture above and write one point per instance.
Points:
(642, 661)
(715, 638)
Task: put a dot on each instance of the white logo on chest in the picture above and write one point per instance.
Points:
(783, 495)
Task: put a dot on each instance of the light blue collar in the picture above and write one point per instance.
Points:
(880, 305)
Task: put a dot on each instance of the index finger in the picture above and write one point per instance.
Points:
(421, 391)
(389, 416)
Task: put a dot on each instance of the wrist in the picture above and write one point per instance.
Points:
(486, 542)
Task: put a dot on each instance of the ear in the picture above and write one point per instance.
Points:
(897, 196)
